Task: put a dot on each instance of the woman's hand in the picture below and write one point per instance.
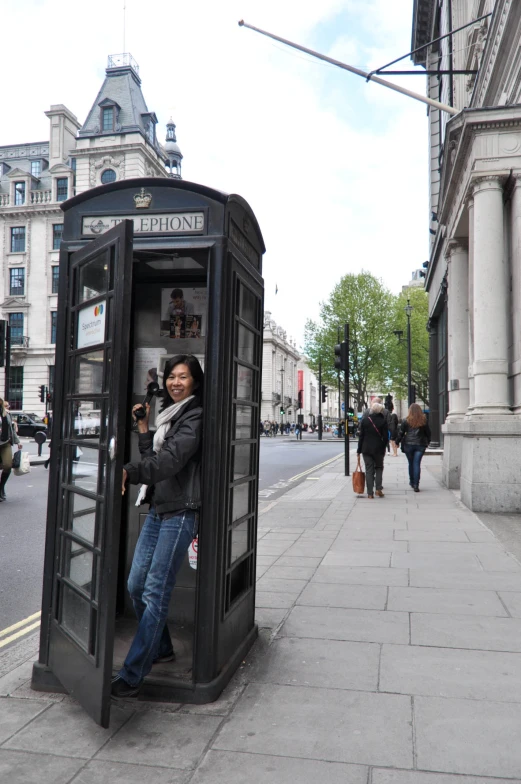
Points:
(20, 446)
(125, 477)
(142, 424)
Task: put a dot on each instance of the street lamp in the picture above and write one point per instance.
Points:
(399, 334)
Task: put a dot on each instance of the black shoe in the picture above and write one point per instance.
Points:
(3, 496)
(416, 489)
(169, 657)
(120, 688)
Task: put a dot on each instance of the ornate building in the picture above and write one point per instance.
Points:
(118, 140)
(474, 272)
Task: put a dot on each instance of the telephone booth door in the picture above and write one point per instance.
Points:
(93, 330)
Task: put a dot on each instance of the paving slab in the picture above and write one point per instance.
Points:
(512, 602)
(308, 548)
(67, 730)
(468, 736)
(299, 560)
(360, 575)
(486, 581)
(223, 766)
(274, 601)
(375, 534)
(162, 739)
(19, 767)
(277, 585)
(313, 723)
(498, 562)
(454, 548)
(388, 545)
(14, 714)
(337, 665)
(356, 558)
(331, 623)
(98, 772)
(445, 600)
(290, 572)
(446, 534)
(445, 672)
(465, 631)
(367, 597)
(268, 617)
(441, 561)
(380, 776)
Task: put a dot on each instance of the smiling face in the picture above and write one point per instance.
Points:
(180, 383)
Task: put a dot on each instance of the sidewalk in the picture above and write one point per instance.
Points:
(389, 653)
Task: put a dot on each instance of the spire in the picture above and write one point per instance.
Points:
(173, 153)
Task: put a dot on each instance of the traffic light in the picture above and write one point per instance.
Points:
(301, 398)
(42, 393)
(324, 393)
(2, 342)
(281, 410)
(389, 402)
(342, 356)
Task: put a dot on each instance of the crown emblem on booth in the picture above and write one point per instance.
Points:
(142, 199)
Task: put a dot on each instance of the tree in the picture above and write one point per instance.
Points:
(363, 302)
(419, 345)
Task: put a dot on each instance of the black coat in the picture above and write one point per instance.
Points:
(373, 435)
(175, 472)
(418, 436)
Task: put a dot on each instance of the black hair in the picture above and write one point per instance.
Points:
(195, 370)
(177, 293)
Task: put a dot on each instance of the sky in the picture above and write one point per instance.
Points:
(335, 169)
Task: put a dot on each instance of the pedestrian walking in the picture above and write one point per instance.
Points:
(170, 469)
(8, 437)
(372, 443)
(416, 434)
(393, 432)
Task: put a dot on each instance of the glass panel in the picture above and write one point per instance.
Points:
(89, 373)
(75, 615)
(243, 422)
(84, 469)
(241, 497)
(93, 277)
(248, 309)
(242, 461)
(79, 563)
(85, 525)
(240, 540)
(244, 382)
(86, 420)
(246, 345)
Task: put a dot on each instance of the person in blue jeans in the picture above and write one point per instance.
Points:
(170, 470)
(415, 434)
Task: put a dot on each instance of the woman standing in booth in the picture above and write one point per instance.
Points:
(170, 469)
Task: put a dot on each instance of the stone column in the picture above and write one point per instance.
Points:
(491, 300)
(434, 414)
(470, 370)
(516, 291)
(458, 329)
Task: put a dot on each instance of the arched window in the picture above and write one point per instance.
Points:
(109, 175)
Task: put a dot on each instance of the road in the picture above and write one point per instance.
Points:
(23, 519)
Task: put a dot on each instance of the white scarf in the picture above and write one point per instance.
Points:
(163, 420)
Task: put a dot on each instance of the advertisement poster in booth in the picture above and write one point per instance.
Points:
(183, 312)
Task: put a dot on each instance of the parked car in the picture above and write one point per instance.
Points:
(28, 424)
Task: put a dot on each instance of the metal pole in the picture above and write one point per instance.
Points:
(346, 403)
(7, 386)
(409, 362)
(368, 77)
(320, 401)
(339, 395)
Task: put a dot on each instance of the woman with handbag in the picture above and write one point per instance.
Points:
(8, 437)
(372, 443)
(415, 434)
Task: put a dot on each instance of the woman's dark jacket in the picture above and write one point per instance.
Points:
(371, 442)
(175, 472)
(417, 436)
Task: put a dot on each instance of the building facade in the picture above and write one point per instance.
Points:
(474, 272)
(118, 140)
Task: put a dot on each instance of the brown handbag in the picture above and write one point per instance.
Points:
(358, 479)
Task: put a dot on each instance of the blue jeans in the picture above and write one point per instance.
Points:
(161, 548)
(414, 454)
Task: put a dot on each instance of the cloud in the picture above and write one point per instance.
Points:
(335, 169)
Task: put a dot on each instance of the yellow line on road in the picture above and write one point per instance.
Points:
(21, 633)
(20, 623)
(315, 468)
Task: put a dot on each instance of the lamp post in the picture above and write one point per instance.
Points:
(408, 310)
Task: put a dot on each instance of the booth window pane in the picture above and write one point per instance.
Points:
(242, 461)
(240, 540)
(241, 501)
(75, 615)
(89, 373)
(244, 382)
(85, 471)
(239, 580)
(243, 422)
(249, 306)
(86, 421)
(85, 525)
(246, 345)
(79, 564)
(94, 277)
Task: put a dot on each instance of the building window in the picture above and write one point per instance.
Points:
(17, 282)
(107, 119)
(55, 278)
(19, 193)
(36, 168)
(54, 320)
(109, 175)
(62, 188)
(18, 239)
(57, 233)
(16, 387)
(16, 322)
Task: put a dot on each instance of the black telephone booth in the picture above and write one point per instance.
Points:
(150, 268)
